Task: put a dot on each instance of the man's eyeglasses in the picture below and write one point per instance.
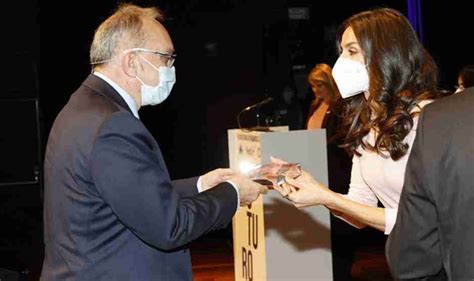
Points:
(170, 58)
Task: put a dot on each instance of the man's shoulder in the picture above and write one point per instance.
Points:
(86, 112)
(91, 106)
(92, 101)
(122, 121)
(455, 106)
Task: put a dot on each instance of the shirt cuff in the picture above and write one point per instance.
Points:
(199, 185)
(390, 219)
(238, 194)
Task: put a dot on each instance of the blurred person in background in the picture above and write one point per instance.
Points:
(465, 78)
(326, 113)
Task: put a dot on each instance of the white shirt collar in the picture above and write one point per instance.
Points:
(128, 99)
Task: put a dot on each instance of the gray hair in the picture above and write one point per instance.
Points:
(121, 30)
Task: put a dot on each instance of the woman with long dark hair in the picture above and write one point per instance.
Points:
(386, 77)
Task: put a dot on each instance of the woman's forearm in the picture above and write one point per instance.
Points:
(356, 213)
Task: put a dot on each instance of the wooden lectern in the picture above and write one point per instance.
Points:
(273, 240)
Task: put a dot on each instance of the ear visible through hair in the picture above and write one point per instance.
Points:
(130, 64)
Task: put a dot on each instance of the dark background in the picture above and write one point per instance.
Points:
(231, 54)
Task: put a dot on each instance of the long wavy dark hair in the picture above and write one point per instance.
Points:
(401, 75)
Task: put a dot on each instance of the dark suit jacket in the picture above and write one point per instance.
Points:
(434, 232)
(110, 209)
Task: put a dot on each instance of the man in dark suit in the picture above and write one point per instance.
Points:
(111, 211)
(433, 235)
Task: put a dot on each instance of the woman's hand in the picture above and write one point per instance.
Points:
(305, 191)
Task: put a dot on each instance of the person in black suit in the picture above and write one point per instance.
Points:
(111, 211)
(432, 237)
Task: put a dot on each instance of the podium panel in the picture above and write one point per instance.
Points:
(297, 241)
(273, 240)
(247, 224)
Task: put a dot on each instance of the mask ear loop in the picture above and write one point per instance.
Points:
(147, 61)
(94, 63)
(99, 62)
(129, 51)
(138, 55)
(154, 67)
(138, 78)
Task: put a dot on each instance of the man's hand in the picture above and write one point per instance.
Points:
(216, 177)
(248, 189)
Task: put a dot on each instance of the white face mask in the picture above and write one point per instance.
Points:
(157, 94)
(351, 77)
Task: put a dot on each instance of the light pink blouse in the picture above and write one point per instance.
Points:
(375, 177)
